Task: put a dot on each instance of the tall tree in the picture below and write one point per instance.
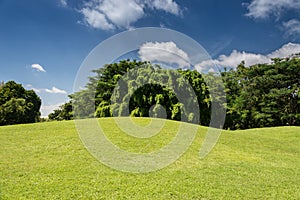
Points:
(18, 105)
(264, 94)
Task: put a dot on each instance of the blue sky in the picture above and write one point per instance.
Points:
(44, 42)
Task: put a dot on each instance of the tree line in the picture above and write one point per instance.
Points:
(263, 95)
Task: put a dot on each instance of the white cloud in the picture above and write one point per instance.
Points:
(264, 8)
(64, 3)
(111, 14)
(55, 90)
(235, 58)
(292, 27)
(285, 51)
(166, 52)
(166, 5)
(38, 67)
(30, 87)
(121, 13)
(47, 109)
(96, 19)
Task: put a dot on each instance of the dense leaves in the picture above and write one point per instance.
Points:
(18, 105)
(65, 112)
(96, 96)
(141, 89)
(262, 95)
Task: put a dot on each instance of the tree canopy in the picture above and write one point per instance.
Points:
(65, 112)
(143, 90)
(262, 95)
(18, 105)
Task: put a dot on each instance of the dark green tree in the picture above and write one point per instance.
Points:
(18, 105)
(264, 95)
(65, 112)
(139, 90)
(257, 96)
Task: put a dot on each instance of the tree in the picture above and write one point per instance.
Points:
(139, 90)
(18, 105)
(65, 112)
(94, 99)
(55, 115)
(264, 95)
(261, 95)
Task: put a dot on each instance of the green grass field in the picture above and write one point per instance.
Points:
(48, 161)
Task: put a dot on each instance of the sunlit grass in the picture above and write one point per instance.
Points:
(48, 161)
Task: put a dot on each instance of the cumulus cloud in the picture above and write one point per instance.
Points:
(55, 90)
(285, 51)
(96, 19)
(121, 13)
(166, 52)
(292, 27)
(235, 58)
(111, 14)
(166, 5)
(38, 67)
(261, 9)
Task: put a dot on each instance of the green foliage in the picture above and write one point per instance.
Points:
(103, 110)
(138, 90)
(55, 115)
(264, 95)
(18, 105)
(95, 98)
(65, 112)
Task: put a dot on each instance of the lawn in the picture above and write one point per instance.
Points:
(48, 161)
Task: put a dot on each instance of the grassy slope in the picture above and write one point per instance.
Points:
(48, 160)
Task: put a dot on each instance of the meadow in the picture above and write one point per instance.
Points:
(48, 161)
